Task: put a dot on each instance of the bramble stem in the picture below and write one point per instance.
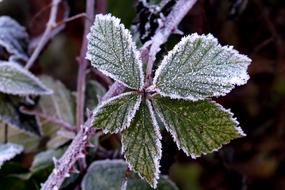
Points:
(45, 37)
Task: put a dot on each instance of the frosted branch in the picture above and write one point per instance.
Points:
(47, 33)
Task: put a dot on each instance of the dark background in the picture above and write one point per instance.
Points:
(255, 28)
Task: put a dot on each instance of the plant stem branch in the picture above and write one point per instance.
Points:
(74, 152)
(83, 63)
(45, 37)
(52, 119)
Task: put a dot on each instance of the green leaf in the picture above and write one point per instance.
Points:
(94, 92)
(112, 51)
(116, 114)
(44, 159)
(16, 80)
(60, 106)
(112, 175)
(9, 151)
(141, 144)
(15, 135)
(164, 183)
(105, 174)
(14, 38)
(199, 67)
(198, 127)
(10, 113)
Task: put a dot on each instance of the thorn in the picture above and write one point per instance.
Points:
(55, 161)
(74, 170)
(177, 31)
(67, 175)
(81, 155)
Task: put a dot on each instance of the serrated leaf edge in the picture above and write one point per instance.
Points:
(131, 114)
(46, 90)
(190, 39)
(194, 156)
(16, 148)
(157, 157)
(131, 45)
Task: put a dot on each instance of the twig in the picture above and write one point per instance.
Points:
(80, 98)
(52, 119)
(80, 15)
(50, 25)
(75, 150)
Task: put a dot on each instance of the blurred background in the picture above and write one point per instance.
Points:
(254, 27)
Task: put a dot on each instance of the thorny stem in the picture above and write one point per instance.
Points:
(74, 152)
(83, 63)
(45, 37)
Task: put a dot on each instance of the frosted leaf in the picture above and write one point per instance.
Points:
(164, 183)
(141, 144)
(15, 135)
(16, 80)
(105, 174)
(11, 114)
(199, 67)
(112, 51)
(115, 114)
(198, 127)
(9, 151)
(14, 38)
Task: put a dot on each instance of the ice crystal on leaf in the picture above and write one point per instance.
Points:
(116, 114)
(16, 80)
(197, 68)
(111, 50)
(141, 144)
(9, 151)
(13, 38)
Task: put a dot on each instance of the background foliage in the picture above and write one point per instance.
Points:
(256, 29)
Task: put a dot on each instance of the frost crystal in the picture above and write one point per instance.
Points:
(9, 151)
(198, 127)
(13, 38)
(112, 51)
(117, 113)
(199, 67)
(141, 144)
(16, 80)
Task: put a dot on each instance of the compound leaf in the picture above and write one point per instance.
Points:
(116, 114)
(11, 114)
(14, 38)
(18, 81)
(141, 144)
(9, 151)
(198, 127)
(105, 174)
(111, 50)
(199, 67)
